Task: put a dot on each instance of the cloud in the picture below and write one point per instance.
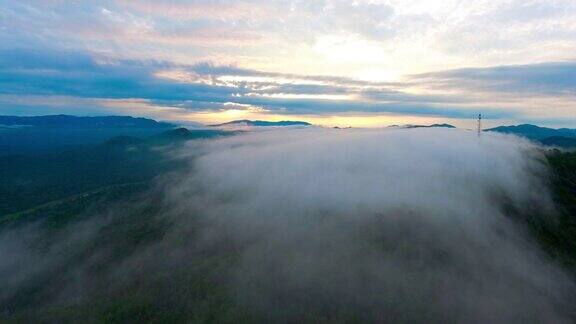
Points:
(551, 78)
(206, 87)
(78, 74)
(278, 50)
(84, 75)
(428, 34)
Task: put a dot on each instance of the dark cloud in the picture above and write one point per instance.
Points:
(553, 78)
(208, 68)
(44, 72)
(84, 75)
(80, 74)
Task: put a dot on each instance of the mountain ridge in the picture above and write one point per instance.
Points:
(534, 132)
(561, 137)
(70, 121)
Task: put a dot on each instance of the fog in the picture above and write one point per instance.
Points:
(397, 224)
(384, 225)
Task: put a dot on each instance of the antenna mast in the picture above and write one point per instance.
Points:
(479, 125)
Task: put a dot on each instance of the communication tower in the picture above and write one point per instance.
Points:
(479, 129)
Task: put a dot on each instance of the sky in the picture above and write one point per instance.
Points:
(329, 62)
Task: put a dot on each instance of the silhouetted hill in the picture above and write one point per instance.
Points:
(263, 123)
(67, 121)
(534, 132)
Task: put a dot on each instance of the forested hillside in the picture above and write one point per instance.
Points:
(32, 180)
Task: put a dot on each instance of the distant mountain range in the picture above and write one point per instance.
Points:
(263, 123)
(67, 121)
(562, 137)
(534, 132)
(43, 134)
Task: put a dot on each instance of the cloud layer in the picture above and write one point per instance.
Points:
(409, 225)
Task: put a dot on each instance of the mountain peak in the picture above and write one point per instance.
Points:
(534, 132)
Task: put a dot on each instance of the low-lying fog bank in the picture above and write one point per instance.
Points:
(414, 225)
